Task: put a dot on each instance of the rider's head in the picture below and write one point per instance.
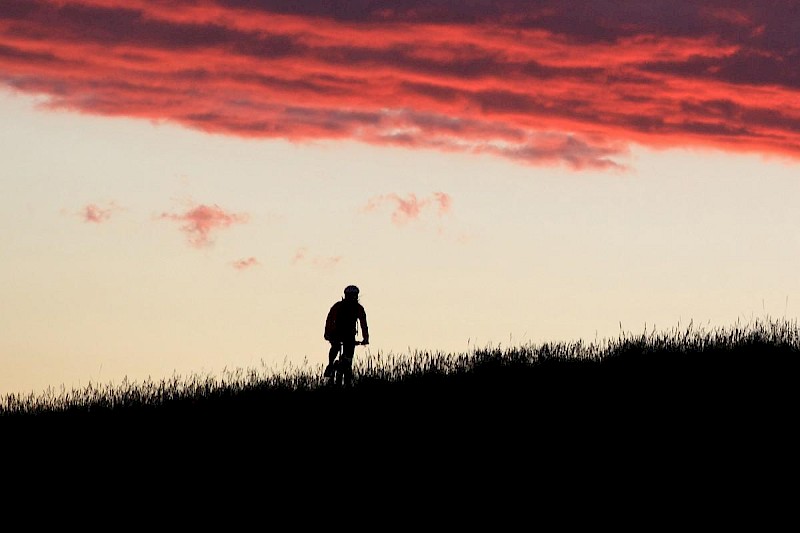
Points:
(351, 292)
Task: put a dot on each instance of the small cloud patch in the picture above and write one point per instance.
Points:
(95, 214)
(411, 207)
(244, 264)
(302, 257)
(199, 221)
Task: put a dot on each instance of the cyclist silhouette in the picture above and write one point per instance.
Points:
(341, 327)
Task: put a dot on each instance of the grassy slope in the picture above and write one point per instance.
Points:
(661, 424)
(662, 367)
(676, 381)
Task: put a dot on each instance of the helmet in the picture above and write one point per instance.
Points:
(351, 291)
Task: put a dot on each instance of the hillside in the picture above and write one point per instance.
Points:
(746, 372)
(691, 415)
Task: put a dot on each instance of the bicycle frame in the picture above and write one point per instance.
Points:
(342, 374)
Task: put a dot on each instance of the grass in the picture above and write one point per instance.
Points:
(668, 420)
(666, 367)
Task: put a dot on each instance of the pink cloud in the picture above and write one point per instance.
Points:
(95, 214)
(244, 264)
(199, 221)
(444, 200)
(299, 255)
(410, 207)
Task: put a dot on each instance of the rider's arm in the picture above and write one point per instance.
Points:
(362, 318)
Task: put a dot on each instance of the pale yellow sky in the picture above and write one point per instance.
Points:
(524, 254)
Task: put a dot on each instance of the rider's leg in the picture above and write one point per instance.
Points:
(338, 372)
(332, 353)
(348, 350)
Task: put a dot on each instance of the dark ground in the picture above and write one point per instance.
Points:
(667, 440)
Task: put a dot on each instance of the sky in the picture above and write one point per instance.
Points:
(187, 186)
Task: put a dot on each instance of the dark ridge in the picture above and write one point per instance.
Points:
(657, 403)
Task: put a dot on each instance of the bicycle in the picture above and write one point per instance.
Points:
(340, 372)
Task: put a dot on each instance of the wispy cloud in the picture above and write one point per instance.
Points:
(326, 262)
(299, 255)
(302, 257)
(94, 214)
(536, 83)
(411, 207)
(199, 221)
(244, 264)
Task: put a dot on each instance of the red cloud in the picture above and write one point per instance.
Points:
(411, 207)
(200, 221)
(536, 84)
(243, 264)
(95, 214)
